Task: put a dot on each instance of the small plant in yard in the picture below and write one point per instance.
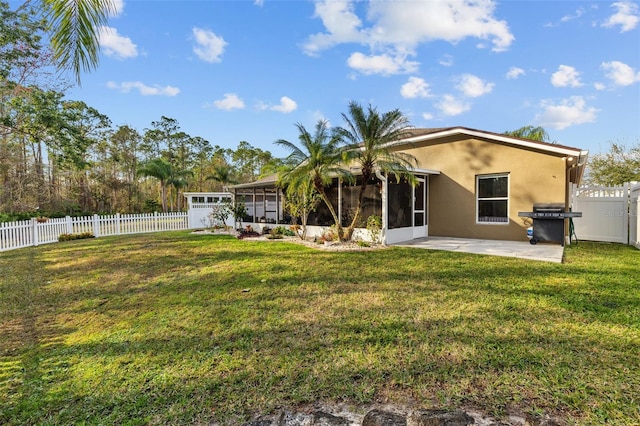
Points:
(295, 229)
(239, 211)
(248, 233)
(273, 235)
(328, 235)
(219, 215)
(281, 230)
(79, 236)
(374, 227)
(363, 244)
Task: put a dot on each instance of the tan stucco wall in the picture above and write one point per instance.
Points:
(534, 177)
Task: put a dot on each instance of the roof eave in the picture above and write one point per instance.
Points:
(556, 149)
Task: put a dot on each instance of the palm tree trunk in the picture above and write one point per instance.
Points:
(163, 188)
(324, 197)
(356, 217)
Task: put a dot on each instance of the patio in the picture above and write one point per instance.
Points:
(518, 249)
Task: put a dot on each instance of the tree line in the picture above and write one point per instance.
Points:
(60, 156)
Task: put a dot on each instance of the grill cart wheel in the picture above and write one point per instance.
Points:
(533, 241)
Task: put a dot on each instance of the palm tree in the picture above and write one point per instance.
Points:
(179, 180)
(73, 27)
(369, 135)
(530, 132)
(223, 173)
(161, 170)
(167, 176)
(316, 161)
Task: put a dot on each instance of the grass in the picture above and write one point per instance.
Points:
(176, 328)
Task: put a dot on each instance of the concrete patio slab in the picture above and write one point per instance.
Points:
(518, 249)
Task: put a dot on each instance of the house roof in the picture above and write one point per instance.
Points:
(265, 182)
(420, 134)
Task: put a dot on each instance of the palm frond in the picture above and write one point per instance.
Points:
(74, 26)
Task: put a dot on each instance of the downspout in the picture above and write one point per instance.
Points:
(383, 179)
(569, 164)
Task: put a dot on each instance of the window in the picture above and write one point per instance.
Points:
(492, 193)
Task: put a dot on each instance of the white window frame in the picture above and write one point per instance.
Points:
(478, 199)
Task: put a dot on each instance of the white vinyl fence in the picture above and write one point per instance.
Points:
(27, 233)
(609, 214)
(634, 217)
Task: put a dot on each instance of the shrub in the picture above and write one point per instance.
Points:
(374, 226)
(281, 230)
(71, 237)
(247, 233)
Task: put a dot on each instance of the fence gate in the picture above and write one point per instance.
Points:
(605, 213)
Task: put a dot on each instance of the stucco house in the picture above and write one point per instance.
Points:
(471, 184)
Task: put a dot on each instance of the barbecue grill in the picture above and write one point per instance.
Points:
(548, 222)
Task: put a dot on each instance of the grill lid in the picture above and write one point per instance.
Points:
(548, 207)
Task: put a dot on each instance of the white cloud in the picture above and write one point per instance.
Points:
(599, 86)
(566, 76)
(143, 89)
(285, 106)
(472, 86)
(569, 112)
(341, 22)
(415, 88)
(394, 27)
(620, 73)
(579, 13)
(118, 7)
(115, 45)
(229, 102)
(427, 116)
(209, 47)
(381, 64)
(446, 60)
(627, 16)
(259, 3)
(451, 106)
(514, 73)
(449, 20)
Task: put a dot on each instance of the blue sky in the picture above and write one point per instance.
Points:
(249, 70)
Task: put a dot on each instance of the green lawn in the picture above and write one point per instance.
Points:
(181, 328)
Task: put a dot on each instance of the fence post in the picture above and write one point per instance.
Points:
(96, 226)
(155, 222)
(69, 225)
(627, 198)
(117, 223)
(34, 227)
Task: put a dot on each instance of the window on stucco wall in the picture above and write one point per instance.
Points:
(492, 198)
